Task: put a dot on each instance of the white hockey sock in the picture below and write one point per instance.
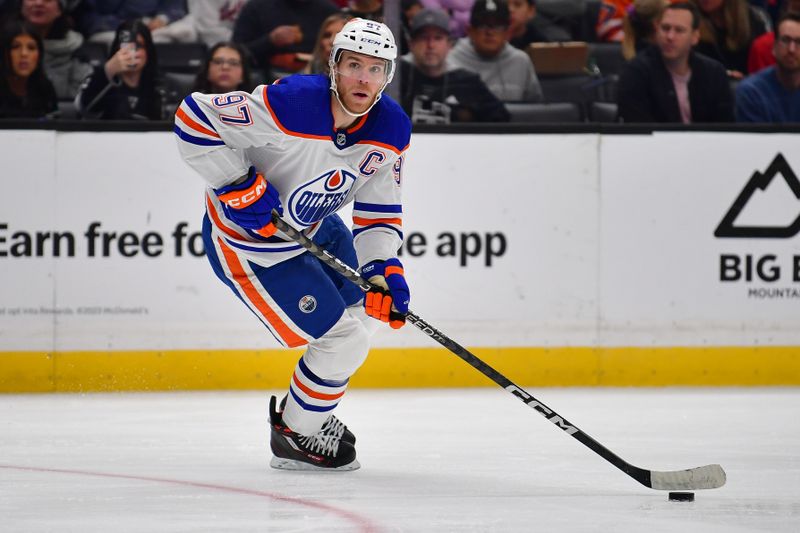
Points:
(321, 376)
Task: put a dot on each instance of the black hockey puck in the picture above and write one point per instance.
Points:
(681, 496)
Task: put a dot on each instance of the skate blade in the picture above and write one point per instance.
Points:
(290, 464)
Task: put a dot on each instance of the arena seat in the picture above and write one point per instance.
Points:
(94, 53)
(608, 57)
(181, 57)
(603, 112)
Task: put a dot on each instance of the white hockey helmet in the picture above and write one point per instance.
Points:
(366, 37)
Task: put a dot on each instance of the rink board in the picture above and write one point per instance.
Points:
(580, 259)
(401, 368)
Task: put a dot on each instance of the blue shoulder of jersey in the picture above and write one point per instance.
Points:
(301, 104)
(390, 125)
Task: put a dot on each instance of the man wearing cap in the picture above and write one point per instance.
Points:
(432, 93)
(507, 71)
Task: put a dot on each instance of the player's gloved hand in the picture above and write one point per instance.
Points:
(388, 301)
(250, 203)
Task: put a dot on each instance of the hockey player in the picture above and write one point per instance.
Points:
(306, 146)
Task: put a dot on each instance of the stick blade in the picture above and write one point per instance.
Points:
(702, 477)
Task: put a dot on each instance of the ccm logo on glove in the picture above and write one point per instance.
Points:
(237, 199)
(388, 300)
(250, 203)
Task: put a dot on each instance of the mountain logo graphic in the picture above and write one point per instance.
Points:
(759, 182)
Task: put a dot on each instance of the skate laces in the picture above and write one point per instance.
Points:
(326, 440)
(333, 426)
(321, 442)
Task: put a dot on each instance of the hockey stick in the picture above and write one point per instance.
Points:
(703, 477)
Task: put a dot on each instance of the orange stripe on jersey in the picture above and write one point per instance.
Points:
(384, 145)
(189, 121)
(358, 125)
(315, 394)
(287, 131)
(392, 270)
(291, 339)
(369, 221)
(212, 212)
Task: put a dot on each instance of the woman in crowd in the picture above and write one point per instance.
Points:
(227, 68)
(25, 90)
(126, 86)
(727, 29)
(322, 49)
(62, 57)
(639, 25)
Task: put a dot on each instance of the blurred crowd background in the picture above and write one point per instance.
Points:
(555, 61)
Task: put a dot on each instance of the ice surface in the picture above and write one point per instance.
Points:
(432, 460)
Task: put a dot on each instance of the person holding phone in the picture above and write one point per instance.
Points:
(126, 87)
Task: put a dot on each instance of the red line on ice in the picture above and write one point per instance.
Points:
(364, 524)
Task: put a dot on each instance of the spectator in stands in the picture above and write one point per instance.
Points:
(773, 94)
(432, 93)
(226, 69)
(671, 83)
(207, 21)
(25, 90)
(322, 48)
(761, 51)
(507, 71)
(609, 20)
(639, 26)
(365, 9)
(214, 19)
(528, 26)
(727, 29)
(62, 59)
(100, 18)
(126, 87)
(408, 8)
(459, 11)
(275, 31)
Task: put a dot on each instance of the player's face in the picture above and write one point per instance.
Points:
(359, 79)
(429, 48)
(225, 70)
(787, 46)
(24, 55)
(674, 34)
(488, 39)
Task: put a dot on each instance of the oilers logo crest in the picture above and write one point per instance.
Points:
(313, 201)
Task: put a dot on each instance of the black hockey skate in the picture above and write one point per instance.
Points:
(331, 424)
(324, 450)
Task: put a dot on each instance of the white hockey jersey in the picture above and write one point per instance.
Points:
(286, 131)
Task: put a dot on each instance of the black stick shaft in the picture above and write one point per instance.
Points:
(639, 474)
